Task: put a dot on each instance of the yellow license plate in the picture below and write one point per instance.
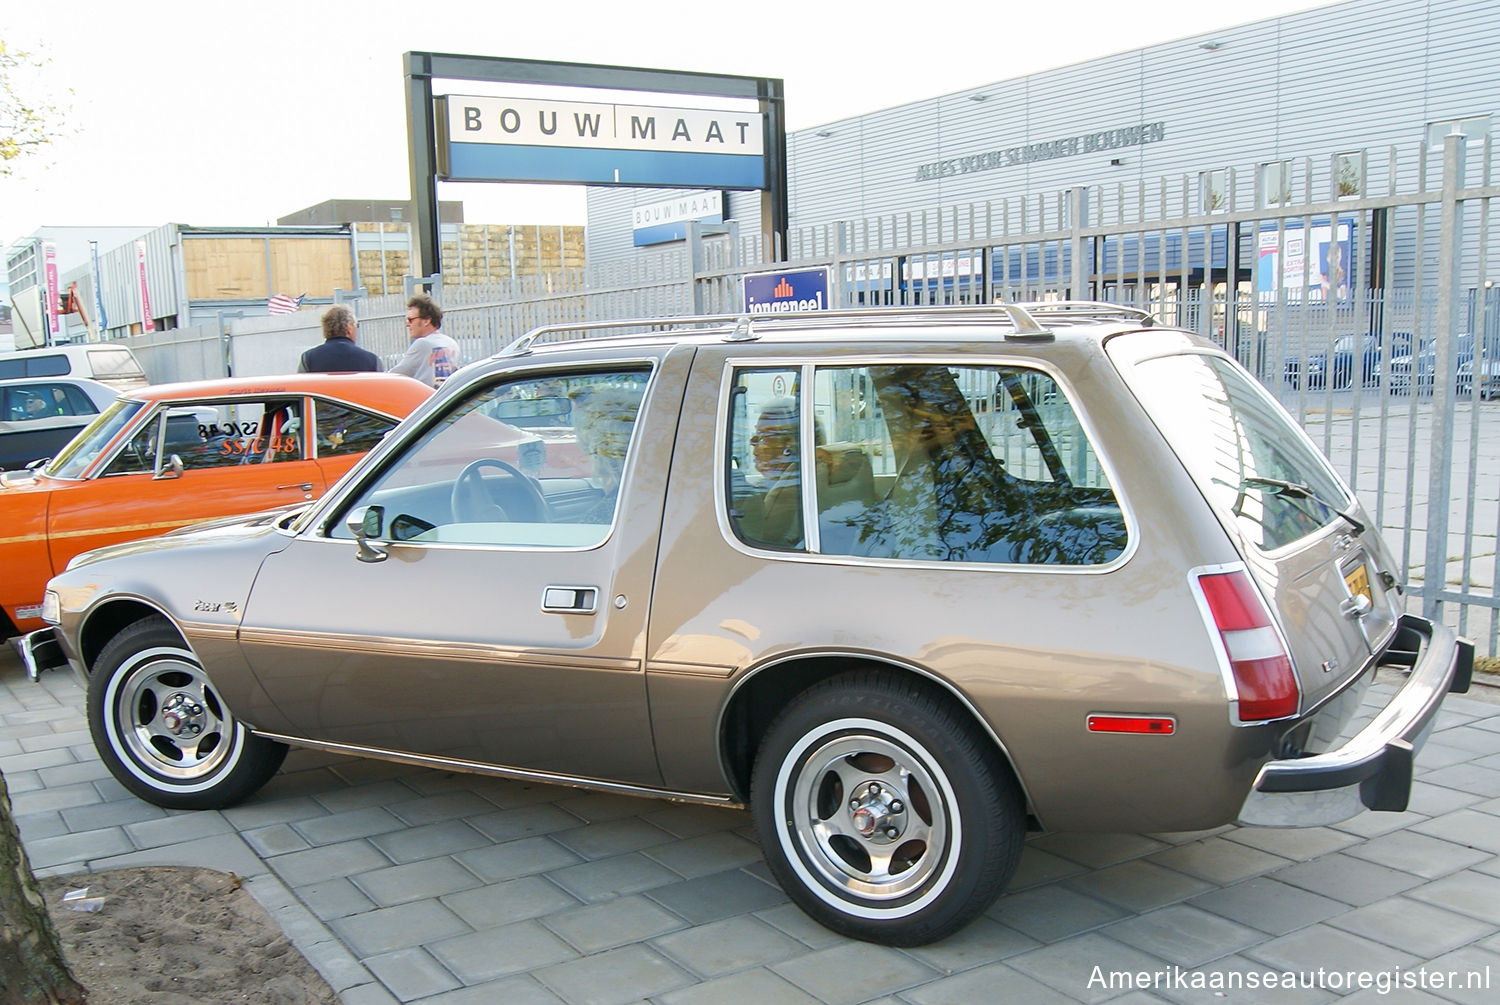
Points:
(1358, 581)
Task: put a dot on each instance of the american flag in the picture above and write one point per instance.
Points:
(283, 304)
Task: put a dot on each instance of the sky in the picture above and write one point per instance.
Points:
(237, 114)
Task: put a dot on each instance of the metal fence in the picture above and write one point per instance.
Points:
(1356, 289)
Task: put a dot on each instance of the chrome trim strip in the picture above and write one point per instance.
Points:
(388, 646)
(517, 774)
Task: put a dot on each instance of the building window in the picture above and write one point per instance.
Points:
(398, 214)
(1348, 175)
(1476, 129)
(1275, 183)
(1214, 190)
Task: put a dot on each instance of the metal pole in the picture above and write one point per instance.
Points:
(1440, 453)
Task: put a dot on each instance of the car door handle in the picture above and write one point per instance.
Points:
(570, 599)
(304, 486)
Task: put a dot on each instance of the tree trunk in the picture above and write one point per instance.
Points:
(32, 969)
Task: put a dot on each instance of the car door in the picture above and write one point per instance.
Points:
(484, 624)
(237, 455)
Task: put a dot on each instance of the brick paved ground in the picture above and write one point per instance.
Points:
(402, 884)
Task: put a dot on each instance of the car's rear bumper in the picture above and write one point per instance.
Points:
(1373, 768)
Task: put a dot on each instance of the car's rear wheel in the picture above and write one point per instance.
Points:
(162, 729)
(883, 812)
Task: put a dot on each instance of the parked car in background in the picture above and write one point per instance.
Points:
(1351, 354)
(906, 583)
(110, 363)
(38, 416)
(1415, 373)
(164, 456)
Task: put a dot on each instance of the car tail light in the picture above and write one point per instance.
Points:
(1258, 661)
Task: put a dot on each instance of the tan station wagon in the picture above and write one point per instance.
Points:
(906, 583)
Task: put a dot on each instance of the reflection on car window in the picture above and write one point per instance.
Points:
(921, 461)
(550, 478)
(84, 448)
(40, 401)
(346, 430)
(1229, 434)
(217, 435)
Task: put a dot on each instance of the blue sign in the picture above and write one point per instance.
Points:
(793, 290)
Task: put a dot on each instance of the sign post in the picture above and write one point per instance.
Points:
(786, 291)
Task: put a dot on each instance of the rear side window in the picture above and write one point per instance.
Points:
(36, 401)
(40, 365)
(918, 461)
(346, 430)
(1241, 448)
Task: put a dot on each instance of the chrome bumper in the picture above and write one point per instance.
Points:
(1373, 768)
(41, 651)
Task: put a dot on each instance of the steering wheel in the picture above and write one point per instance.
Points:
(472, 502)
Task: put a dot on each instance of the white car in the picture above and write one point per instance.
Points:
(39, 415)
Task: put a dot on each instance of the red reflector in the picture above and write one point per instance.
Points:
(1264, 683)
(1161, 725)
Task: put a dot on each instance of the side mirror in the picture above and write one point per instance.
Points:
(364, 523)
(171, 469)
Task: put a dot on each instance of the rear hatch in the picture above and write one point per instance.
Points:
(1307, 545)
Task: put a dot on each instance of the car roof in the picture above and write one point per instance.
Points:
(392, 393)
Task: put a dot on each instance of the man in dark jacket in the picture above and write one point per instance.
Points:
(338, 353)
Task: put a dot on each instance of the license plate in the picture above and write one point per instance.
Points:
(1358, 581)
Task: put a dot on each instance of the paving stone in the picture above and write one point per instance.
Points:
(89, 818)
(1435, 800)
(347, 799)
(39, 825)
(1469, 828)
(36, 761)
(1417, 853)
(1098, 850)
(687, 820)
(794, 922)
(72, 738)
(1323, 947)
(1137, 886)
(721, 895)
(1078, 967)
(501, 952)
(706, 854)
(90, 770)
(53, 799)
(335, 898)
(522, 990)
(517, 858)
(413, 844)
(348, 825)
(221, 852)
(853, 972)
(1471, 893)
(1038, 867)
(1474, 741)
(1050, 913)
(176, 828)
(263, 812)
(84, 847)
(446, 806)
(1435, 754)
(411, 973)
(1235, 979)
(1412, 926)
(1299, 844)
(505, 903)
(760, 986)
(398, 884)
(1218, 860)
(1269, 905)
(722, 947)
(611, 838)
(597, 807)
(278, 839)
(1347, 879)
(1468, 777)
(596, 928)
(1470, 975)
(368, 994)
(982, 941)
(591, 882)
(996, 982)
(315, 865)
(1184, 935)
(389, 928)
(523, 822)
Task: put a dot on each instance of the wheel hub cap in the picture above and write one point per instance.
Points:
(876, 813)
(182, 716)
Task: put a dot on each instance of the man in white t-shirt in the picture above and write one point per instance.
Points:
(432, 356)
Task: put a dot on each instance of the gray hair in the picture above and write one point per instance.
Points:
(336, 321)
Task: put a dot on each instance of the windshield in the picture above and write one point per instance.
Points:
(1242, 449)
(83, 448)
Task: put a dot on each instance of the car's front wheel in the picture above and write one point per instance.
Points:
(162, 729)
(883, 812)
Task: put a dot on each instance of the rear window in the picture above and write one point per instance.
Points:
(43, 365)
(114, 364)
(1245, 453)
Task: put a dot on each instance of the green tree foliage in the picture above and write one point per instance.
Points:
(25, 126)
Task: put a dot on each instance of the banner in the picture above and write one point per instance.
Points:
(99, 317)
(54, 322)
(147, 325)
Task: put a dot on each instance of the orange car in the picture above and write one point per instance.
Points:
(165, 456)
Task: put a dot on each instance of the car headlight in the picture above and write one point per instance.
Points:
(51, 607)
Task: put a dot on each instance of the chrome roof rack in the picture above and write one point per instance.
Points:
(743, 327)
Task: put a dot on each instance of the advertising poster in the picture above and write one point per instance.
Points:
(49, 266)
(147, 325)
(1311, 265)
